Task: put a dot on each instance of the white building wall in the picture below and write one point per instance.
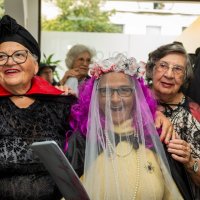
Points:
(136, 23)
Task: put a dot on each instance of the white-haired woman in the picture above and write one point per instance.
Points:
(77, 61)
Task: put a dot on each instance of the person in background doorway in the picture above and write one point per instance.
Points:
(193, 90)
(47, 72)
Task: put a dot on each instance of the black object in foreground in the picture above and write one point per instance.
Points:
(60, 169)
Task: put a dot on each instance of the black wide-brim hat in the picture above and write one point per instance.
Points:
(42, 66)
(10, 30)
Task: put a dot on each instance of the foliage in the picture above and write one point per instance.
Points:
(2, 10)
(48, 60)
(159, 6)
(81, 15)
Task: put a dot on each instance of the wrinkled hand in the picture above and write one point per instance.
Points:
(76, 72)
(66, 90)
(180, 150)
(167, 129)
(72, 72)
(69, 73)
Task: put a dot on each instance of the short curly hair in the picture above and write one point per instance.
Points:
(161, 52)
(75, 51)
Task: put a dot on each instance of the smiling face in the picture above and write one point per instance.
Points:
(116, 95)
(14, 77)
(166, 84)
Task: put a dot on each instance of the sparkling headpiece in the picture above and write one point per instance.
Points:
(117, 64)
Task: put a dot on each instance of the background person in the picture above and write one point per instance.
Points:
(169, 71)
(30, 110)
(77, 61)
(47, 72)
(193, 89)
(120, 155)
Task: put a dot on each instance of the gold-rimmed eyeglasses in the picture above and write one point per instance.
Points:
(164, 67)
(18, 57)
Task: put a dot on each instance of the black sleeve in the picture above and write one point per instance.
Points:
(180, 177)
(76, 152)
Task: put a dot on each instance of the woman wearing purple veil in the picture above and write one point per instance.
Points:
(115, 147)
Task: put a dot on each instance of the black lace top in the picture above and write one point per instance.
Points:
(22, 176)
(185, 117)
(185, 123)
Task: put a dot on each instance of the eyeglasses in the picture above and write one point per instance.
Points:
(18, 57)
(121, 91)
(164, 66)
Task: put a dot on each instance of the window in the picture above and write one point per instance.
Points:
(153, 30)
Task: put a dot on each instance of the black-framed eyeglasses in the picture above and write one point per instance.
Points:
(18, 57)
(121, 91)
(164, 67)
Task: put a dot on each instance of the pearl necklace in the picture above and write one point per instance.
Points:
(111, 151)
(138, 175)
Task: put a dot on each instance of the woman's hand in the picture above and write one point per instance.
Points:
(167, 129)
(79, 73)
(180, 150)
(69, 73)
(66, 90)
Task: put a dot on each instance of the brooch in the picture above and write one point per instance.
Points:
(149, 167)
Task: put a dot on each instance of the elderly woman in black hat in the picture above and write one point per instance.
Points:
(30, 110)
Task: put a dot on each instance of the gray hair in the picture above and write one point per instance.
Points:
(75, 51)
(161, 52)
